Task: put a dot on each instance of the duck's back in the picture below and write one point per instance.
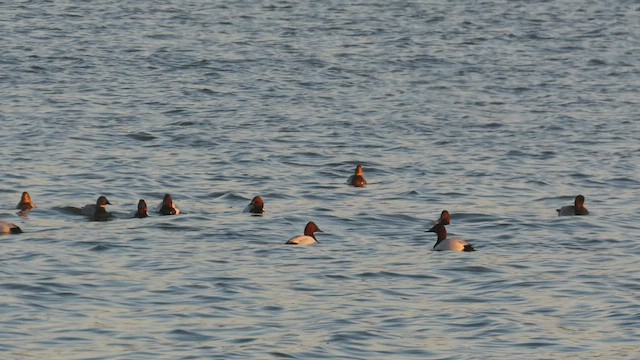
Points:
(167, 210)
(357, 180)
(454, 245)
(9, 228)
(101, 215)
(88, 210)
(569, 210)
(302, 240)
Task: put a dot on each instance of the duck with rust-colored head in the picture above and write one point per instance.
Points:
(142, 210)
(168, 207)
(308, 238)
(256, 206)
(444, 243)
(25, 203)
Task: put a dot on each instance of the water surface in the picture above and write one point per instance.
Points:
(500, 112)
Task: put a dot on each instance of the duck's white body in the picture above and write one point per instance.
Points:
(443, 243)
(302, 240)
(452, 244)
(9, 228)
(308, 238)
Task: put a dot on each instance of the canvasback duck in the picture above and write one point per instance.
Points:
(168, 207)
(256, 206)
(357, 179)
(577, 208)
(98, 212)
(448, 244)
(308, 237)
(25, 203)
(142, 210)
(9, 228)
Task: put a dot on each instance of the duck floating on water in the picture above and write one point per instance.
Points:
(576, 209)
(142, 210)
(9, 228)
(443, 243)
(98, 212)
(256, 206)
(25, 203)
(357, 179)
(168, 207)
(308, 238)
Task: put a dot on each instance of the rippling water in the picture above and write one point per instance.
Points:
(500, 112)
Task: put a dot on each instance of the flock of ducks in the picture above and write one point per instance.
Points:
(98, 212)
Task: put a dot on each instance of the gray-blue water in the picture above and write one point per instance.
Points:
(499, 111)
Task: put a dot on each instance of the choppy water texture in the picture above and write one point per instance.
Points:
(500, 112)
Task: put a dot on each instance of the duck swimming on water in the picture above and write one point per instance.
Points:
(9, 228)
(443, 243)
(357, 179)
(25, 203)
(308, 238)
(98, 212)
(168, 207)
(142, 210)
(256, 206)
(577, 208)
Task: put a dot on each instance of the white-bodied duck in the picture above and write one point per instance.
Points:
(308, 238)
(9, 228)
(443, 243)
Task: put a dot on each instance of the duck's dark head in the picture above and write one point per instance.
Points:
(168, 208)
(311, 228)
(257, 205)
(445, 218)
(102, 201)
(142, 209)
(167, 200)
